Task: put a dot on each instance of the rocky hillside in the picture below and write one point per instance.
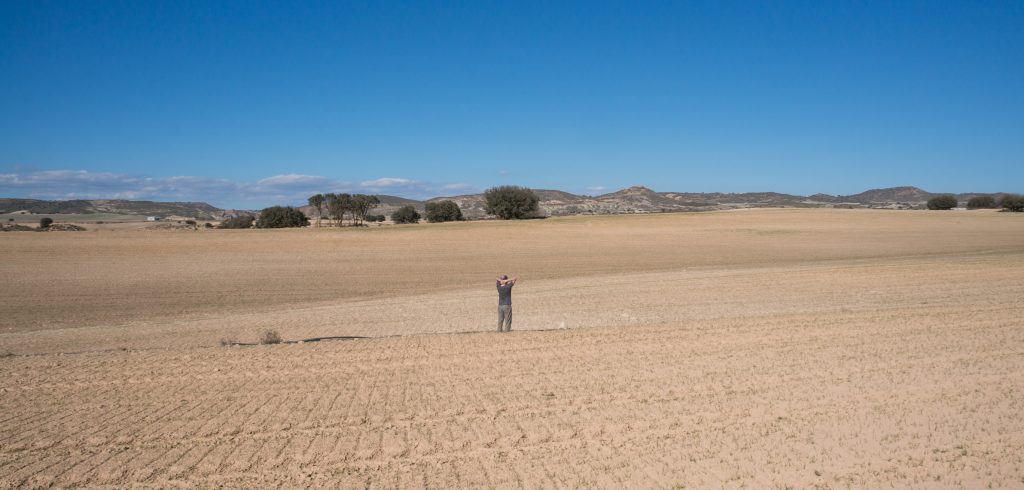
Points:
(111, 206)
(636, 199)
(639, 199)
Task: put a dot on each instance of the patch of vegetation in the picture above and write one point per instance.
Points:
(441, 211)
(237, 223)
(376, 218)
(405, 214)
(45, 223)
(228, 342)
(17, 228)
(511, 202)
(981, 202)
(943, 202)
(1012, 202)
(270, 337)
(65, 227)
(281, 217)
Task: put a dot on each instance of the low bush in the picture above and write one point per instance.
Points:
(511, 202)
(45, 223)
(405, 214)
(270, 337)
(441, 211)
(981, 202)
(281, 217)
(943, 202)
(1012, 202)
(237, 223)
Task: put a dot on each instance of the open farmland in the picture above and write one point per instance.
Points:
(759, 349)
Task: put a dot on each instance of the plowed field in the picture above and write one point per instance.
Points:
(756, 349)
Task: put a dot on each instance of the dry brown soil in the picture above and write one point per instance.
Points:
(757, 349)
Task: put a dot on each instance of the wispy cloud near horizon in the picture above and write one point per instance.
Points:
(288, 189)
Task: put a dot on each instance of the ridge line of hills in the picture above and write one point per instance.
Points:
(636, 199)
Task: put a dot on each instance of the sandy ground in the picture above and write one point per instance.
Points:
(757, 349)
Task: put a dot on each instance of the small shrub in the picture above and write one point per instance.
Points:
(270, 337)
(1012, 202)
(943, 202)
(511, 202)
(281, 217)
(190, 222)
(441, 211)
(45, 223)
(208, 225)
(405, 214)
(376, 218)
(237, 223)
(981, 202)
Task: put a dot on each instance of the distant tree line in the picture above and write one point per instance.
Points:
(1009, 202)
(505, 202)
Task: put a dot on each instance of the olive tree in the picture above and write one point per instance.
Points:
(281, 217)
(943, 202)
(1012, 202)
(441, 211)
(405, 214)
(511, 202)
(981, 202)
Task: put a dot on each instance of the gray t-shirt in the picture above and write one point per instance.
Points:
(504, 293)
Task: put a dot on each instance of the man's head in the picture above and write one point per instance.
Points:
(504, 277)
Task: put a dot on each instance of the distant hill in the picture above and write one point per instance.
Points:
(635, 199)
(891, 194)
(200, 210)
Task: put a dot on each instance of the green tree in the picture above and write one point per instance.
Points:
(441, 211)
(511, 202)
(943, 202)
(1012, 202)
(361, 205)
(45, 223)
(281, 217)
(337, 206)
(317, 201)
(405, 214)
(981, 202)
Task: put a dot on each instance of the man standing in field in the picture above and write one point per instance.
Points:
(505, 303)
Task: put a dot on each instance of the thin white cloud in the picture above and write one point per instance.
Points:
(387, 182)
(276, 189)
(294, 180)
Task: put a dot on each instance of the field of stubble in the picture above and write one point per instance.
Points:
(757, 349)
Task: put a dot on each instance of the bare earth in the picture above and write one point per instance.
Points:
(757, 349)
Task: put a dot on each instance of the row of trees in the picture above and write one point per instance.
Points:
(338, 206)
(505, 202)
(1009, 202)
(436, 212)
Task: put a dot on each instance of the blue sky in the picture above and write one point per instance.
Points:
(247, 104)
